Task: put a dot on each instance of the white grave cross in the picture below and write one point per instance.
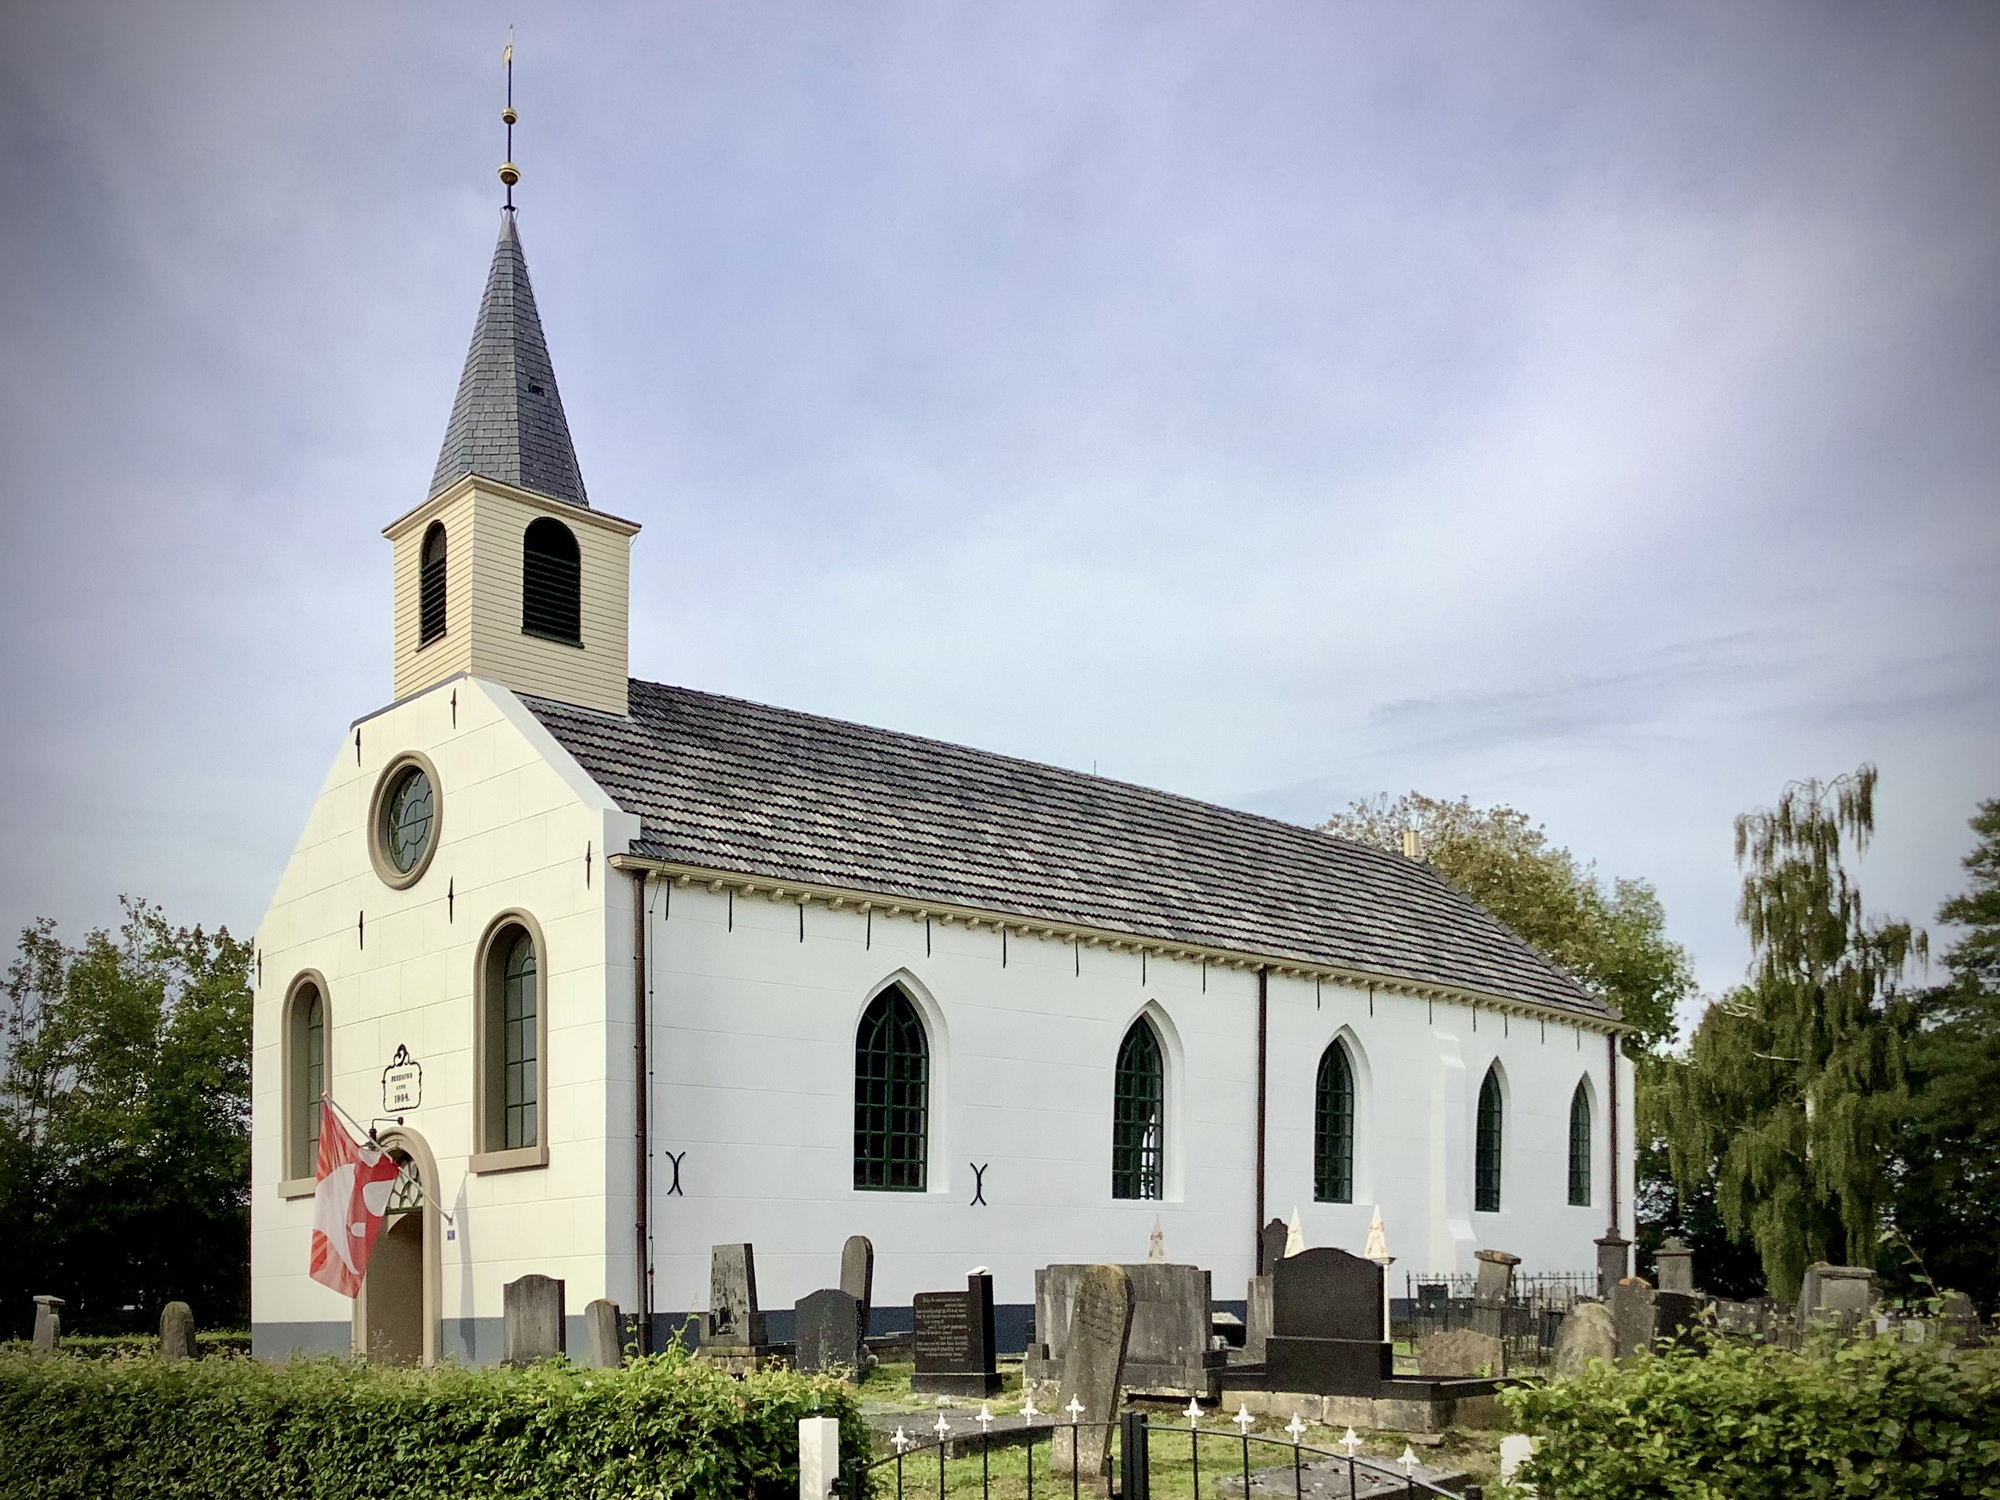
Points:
(1243, 1420)
(1075, 1410)
(1296, 1428)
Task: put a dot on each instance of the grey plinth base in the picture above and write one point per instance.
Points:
(956, 1383)
(742, 1359)
(1425, 1409)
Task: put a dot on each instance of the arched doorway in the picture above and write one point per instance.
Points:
(395, 1317)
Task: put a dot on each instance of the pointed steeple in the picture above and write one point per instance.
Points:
(508, 422)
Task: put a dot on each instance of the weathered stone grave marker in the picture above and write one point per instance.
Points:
(1460, 1354)
(828, 1333)
(733, 1334)
(48, 1324)
(1587, 1333)
(1676, 1264)
(532, 1309)
(857, 1274)
(177, 1331)
(1100, 1327)
(1170, 1350)
(1843, 1295)
(954, 1340)
(605, 1329)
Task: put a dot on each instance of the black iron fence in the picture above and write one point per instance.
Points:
(1527, 1322)
(1143, 1463)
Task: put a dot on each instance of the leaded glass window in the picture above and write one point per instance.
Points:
(308, 1077)
(1486, 1165)
(1333, 1127)
(519, 1005)
(430, 586)
(892, 1077)
(551, 583)
(407, 815)
(1139, 1116)
(1579, 1148)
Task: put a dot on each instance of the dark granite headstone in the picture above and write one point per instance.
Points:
(535, 1325)
(954, 1340)
(828, 1331)
(1327, 1325)
(1100, 1327)
(177, 1331)
(733, 1321)
(1675, 1315)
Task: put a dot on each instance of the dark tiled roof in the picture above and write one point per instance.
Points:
(728, 785)
(508, 422)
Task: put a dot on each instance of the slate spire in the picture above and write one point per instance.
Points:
(508, 422)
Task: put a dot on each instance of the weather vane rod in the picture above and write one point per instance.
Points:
(509, 173)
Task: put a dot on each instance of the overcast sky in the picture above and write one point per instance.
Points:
(1594, 407)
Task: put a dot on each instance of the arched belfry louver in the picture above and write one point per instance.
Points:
(551, 583)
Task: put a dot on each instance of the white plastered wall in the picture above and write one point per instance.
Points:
(521, 826)
(753, 1037)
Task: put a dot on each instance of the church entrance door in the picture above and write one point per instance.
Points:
(392, 1311)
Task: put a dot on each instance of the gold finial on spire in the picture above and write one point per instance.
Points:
(509, 173)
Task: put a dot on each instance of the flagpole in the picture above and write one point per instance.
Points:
(402, 1174)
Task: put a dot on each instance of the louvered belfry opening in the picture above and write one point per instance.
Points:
(891, 1096)
(430, 586)
(551, 583)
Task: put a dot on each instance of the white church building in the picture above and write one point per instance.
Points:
(624, 971)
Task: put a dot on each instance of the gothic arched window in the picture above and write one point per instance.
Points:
(1333, 1127)
(305, 1043)
(430, 586)
(1579, 1147)
(1486, 1164)
(513, 1041)
(892, 1087)
(551, 583)
(1139, 1115)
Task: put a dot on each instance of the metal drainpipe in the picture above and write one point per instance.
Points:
(1263, 1071)
(643, 1153)
(1611, 1042)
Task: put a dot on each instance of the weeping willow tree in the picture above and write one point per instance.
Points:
(1788, 1100)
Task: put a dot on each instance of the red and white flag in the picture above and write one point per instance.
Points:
(355, 1178)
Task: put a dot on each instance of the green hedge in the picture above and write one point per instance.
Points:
(331, 1430)
(116, 1345)
(1731, 1421)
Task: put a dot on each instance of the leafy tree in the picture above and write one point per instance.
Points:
(124, 1123)
(1793, 1088)
(1947, 1203)
(1612, 939)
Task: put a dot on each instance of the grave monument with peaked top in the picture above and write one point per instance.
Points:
(857, 1274)
(733, 1334)
(532, 1309)
(1327, 1325)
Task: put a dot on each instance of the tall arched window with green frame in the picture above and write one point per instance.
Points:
(892, 1078)
(1333, 1126)
(1486, 1159)
(1139, 1115)
(1579, 1146)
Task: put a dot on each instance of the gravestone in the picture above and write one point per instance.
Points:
(1496, 1275)
(177, 1331)
(604, 1329)
(1632, 1315)
(1843, 1295)
(733, 1334)
(1257, 1319)
(1676, 1265)
(1614, 1263)
(857, 1273)
(828, 1331)
(1100, 1327)
(1328, 1333)
(535, 1325)
(1587, 1333)
(954, 1340)
(1461, 1354)
(1961, 1321)
(1675, 1315)
(1271, 1245)
(48, 1324)
(1171, 1349)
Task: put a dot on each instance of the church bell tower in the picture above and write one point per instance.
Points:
(506, 572)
